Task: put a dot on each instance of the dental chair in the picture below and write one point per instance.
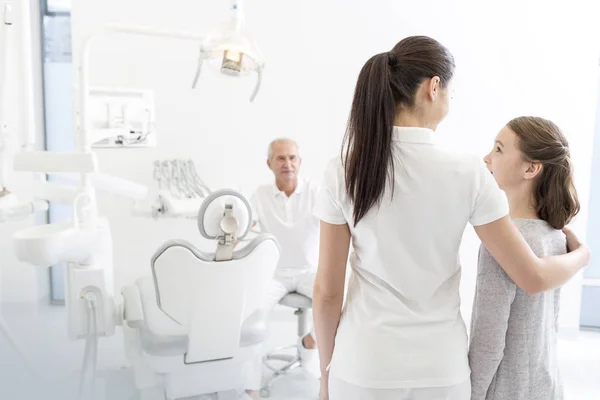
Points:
(195, 325)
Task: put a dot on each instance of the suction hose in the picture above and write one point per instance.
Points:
(91, 345)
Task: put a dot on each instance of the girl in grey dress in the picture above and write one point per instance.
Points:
(512, 352)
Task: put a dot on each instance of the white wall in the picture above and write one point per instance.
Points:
(593, 272)
(512, 60)
(21, 282)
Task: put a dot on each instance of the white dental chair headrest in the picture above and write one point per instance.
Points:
(225, 211)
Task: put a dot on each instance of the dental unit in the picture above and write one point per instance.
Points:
(164, 316)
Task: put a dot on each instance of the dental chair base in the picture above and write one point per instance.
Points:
(158, 359)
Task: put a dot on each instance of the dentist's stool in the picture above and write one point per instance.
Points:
(302, 304)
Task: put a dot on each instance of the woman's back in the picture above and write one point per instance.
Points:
(513, 335)
(401, 326)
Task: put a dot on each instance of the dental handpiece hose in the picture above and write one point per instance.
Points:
(91, 345)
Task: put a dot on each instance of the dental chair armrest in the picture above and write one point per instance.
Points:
(133, 311)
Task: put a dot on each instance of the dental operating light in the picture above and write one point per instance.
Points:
(233, 48)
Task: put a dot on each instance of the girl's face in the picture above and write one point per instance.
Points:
(506, 162)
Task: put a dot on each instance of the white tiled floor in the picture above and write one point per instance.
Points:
(42, 333)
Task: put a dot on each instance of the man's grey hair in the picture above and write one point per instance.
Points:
(279, 141)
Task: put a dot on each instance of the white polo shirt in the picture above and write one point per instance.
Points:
(291, 221)
(401, 325)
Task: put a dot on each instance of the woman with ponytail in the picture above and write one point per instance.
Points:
(512, 352)
(403, 203)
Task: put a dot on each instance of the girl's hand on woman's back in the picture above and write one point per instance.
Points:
(573, 242)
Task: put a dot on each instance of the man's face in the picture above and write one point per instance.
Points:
(285, 162)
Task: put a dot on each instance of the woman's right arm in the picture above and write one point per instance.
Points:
(531, 273)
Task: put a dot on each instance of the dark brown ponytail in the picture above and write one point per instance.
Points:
(387, 81)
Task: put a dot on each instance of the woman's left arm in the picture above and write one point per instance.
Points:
(328, 294)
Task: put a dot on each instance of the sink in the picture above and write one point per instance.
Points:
(43, 245)
(47, 245)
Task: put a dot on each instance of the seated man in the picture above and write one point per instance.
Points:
(284, 209)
